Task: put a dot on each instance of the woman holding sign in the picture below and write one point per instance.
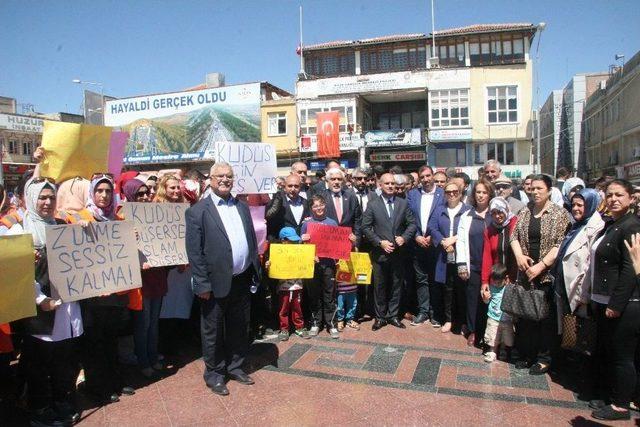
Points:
(103, 316)
(49, 355)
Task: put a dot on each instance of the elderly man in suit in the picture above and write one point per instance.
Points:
(342, 204)
(222, 251)
(423, 201)
(388, 225)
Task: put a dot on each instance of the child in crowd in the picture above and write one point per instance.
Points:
(499, 325)
(290, 295)
(347, 305)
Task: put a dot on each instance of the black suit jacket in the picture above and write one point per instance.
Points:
(351, 212)
(209, 249)
(377, 226)
(279, 214)
(614, 274)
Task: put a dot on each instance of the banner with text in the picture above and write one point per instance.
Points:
(161, 231)
(291, 261)
(17, 276)
(254, 166)
(357, 270)
(331, 242)
(97, 260)
(186, 125)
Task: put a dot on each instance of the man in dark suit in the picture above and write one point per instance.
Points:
(323, 184)
(222, 251)
(423, 201)
(342, 204)
(288, 208)
(388, 224)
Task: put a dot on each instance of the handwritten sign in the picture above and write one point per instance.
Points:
(72, 149)
(254, 165)
(161, 231)
(331, 242)
(356, 270)
(291, 261)
(99, 260)
(17, 277)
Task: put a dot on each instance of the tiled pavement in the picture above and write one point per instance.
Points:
(415, 376)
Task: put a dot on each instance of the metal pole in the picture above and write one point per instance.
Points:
(538, 168)
(433, 31)
(301, 54)
(102, 102)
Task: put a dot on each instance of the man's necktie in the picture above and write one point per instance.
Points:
(390, 202)
(337, 202)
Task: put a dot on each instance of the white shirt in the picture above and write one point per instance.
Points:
(426, 201)
(67, 322)
(363, 199)
(387, 202)
(297, 208)
(234, 228)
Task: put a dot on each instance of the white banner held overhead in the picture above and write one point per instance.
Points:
(97, 260)
(254, 165)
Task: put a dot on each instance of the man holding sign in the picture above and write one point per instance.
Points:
(388, 224)
(223, 254)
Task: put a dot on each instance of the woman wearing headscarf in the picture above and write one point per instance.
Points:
(154, 288)
(72, 199)
(575, 252)
(49, 354)
(496, 249)
(103, 316)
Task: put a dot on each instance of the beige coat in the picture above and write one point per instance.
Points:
(576, 260)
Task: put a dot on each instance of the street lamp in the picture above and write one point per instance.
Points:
(541, 26)
(84, 82)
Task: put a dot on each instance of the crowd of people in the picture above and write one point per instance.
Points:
(446, 251)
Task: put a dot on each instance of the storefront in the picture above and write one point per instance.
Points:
(632, 172)
(408, 160)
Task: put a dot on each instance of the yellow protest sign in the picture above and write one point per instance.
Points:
(72, 149)
(17, 276)
(356, 270)
(291, 261)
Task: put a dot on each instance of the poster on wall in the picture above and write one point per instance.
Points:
(186, 125)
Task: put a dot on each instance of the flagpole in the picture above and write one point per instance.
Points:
(301, 55)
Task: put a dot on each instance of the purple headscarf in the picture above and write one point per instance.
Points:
(130, 189)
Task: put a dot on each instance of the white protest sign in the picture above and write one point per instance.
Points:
(161, 231)
(99, 260)
(254, 165)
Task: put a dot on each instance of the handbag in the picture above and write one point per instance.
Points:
(530, 304)
(578, 334)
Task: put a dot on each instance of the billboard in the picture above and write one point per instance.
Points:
(186, 125)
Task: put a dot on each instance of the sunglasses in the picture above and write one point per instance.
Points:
(502, 186)
(102, 175)
(142, 193)
(359, 178)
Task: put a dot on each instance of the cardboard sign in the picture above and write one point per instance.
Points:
(72, 149)
(356, 270)
(161, 231)
(254, 166)
(331, 242)
(99, 260)
(17, 277)
(290, 261)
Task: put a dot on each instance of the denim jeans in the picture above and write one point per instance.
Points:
(349, 303)
(145, 335)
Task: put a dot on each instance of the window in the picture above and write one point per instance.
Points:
(499, 49)
(26, 148)
(277, 124)
(13, 146)
(308, 119)
(449, 108)
(504, 152)
(452, 54)
(331, 64)
(384, 59)
(502, 104)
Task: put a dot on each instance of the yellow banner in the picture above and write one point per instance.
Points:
(356, 270)
(72, 149)
(291, 261)
(17, 276)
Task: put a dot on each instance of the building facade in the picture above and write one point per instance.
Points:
(279, 126)
(550, 116)
(398, 99)
(611, 135)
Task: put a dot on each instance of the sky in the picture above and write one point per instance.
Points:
(142, 47)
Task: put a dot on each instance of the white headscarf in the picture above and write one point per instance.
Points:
(500, 204)
(34, 223)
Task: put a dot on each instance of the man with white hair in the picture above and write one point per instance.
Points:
(342, 204)
(492, 169)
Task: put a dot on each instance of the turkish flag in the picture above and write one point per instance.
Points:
(328, 125)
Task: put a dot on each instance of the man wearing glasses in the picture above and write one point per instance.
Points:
(223, 254)
(504, 188)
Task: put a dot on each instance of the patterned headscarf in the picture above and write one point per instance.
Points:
(101, 214)
(32, 222)
(500, 204)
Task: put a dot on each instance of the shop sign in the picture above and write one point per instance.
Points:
(381, 138)
(436, 135)
(348, 142)
(400, 156)
(316, 165)
(632, 171)
(21, 123)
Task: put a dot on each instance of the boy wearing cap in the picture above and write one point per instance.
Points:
(290, 295)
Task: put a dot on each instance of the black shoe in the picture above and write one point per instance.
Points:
(435, 323)
(522, 364)
(538, 369)
(220, 388)
(597, 404)
(242, 378)
(397, 323)
(46, 417)
(67, 412)
(378, 323)
(610, 414)
(420, 318)
(128, 391)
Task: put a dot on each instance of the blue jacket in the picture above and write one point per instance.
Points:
(413, 199)
(438, 229)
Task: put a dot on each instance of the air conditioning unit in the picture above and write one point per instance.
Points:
(603, 84)
(534, 115)
(636, 152)
(435, 62)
